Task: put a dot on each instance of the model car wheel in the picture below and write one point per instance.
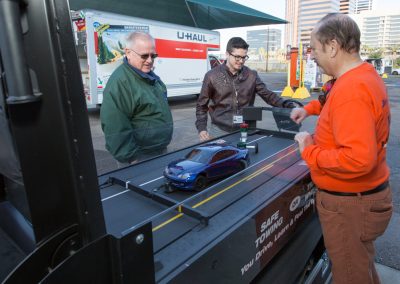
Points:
(256, 147)
(395, 73)
(243, 164)
(200, 183)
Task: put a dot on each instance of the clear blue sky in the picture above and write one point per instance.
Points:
(277, 8)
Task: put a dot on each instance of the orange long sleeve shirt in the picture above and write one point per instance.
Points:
(350, 138)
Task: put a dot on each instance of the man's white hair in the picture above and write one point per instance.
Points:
(134, 36)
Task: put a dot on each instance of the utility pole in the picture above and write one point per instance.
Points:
(266, 59)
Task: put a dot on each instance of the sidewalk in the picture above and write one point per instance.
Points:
(387, 274)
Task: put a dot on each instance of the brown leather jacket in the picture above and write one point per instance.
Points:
(224, 95)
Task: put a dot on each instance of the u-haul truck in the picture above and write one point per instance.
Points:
(101, 38)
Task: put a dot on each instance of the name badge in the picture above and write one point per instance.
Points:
(238, 119)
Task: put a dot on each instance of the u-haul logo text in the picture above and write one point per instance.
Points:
(191, 36)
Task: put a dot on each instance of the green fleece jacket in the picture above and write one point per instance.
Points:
(135, 116)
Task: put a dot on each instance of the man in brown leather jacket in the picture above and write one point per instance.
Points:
(227, 89)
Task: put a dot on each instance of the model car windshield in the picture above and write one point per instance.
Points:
(199, 156)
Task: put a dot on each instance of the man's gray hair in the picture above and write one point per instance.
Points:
(340, 27)
(134, 36)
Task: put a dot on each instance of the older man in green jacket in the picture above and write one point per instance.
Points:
(135, 116)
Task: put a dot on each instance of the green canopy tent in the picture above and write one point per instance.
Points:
(206, 14)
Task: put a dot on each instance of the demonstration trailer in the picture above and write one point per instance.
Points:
(257, 225)
(182, 51)
(233, 230)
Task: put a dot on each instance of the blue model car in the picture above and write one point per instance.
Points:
(205, 163)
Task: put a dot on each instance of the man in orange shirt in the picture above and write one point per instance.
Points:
(347, 153)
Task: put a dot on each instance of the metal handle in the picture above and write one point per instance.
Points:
(13, 56)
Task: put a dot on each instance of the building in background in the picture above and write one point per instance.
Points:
(362, 5)
(264, 40)
(347, 6)
(303, 15)
(380, 32)
(292, 14)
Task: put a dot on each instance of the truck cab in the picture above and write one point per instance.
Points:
(215, 60)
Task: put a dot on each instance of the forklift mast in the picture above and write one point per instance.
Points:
(43, 115)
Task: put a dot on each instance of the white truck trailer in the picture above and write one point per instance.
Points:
(183, 51)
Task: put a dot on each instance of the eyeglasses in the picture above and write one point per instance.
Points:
(145, 56)
(238, 58)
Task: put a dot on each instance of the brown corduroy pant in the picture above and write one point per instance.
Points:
(350, 224)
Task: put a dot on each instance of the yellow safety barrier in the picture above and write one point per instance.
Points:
(288, 91)
(301, 92)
